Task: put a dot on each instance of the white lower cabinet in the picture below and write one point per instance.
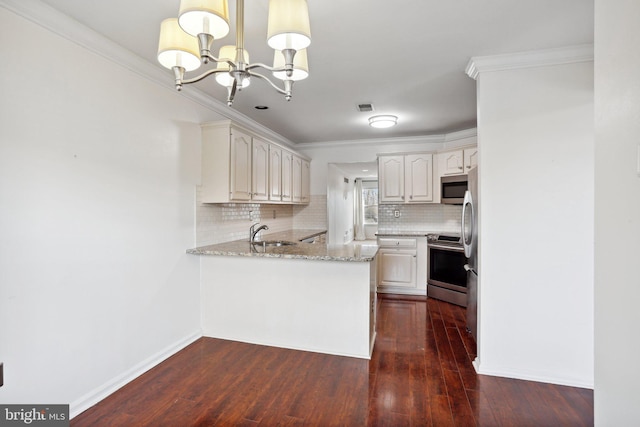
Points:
(398, 267)
(402, 265)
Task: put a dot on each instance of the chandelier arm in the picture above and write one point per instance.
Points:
(260, 76)
(231, 90)
(266, 67)
(203, 75)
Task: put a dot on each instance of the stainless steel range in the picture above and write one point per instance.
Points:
(447, 277)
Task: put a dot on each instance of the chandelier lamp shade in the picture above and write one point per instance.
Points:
(186, 42)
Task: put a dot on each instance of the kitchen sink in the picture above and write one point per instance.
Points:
(274, 243)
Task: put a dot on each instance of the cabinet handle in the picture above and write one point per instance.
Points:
(459, 167)
(411, 197)
(468, 167)
(402, 197)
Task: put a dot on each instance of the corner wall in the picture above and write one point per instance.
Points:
(536, 141)
(617, 212)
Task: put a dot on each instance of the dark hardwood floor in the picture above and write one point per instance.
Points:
(420, 375)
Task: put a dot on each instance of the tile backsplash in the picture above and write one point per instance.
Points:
(313, 215)
(419, 218)
(217, 223)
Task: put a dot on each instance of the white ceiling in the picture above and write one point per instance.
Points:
(407, 57)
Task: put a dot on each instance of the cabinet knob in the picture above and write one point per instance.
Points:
(411, 197)
(402, 197)
(459, 167)
(468, 167)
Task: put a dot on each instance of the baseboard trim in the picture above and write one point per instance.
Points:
(88, 400)
(531, 376)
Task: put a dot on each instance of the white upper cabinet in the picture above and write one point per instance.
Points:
(470, 158)
(418, 182)
(240, 186)
(260, 172)
(275, 173)
(406, 178)
(305, 187)
(457, 162)
(287, 180)
(451, 163)
(301, 180)
(391, 179)
(296, 184)
(240, 167)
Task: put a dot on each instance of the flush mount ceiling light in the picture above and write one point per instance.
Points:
(185, 43)
(382, 121)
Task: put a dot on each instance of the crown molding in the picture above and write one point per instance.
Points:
(446, 138)
(66, 27)
(461, 134)
(429, 139)
(536, 58)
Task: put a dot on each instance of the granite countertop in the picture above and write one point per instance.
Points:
(404, 234)
(297, 235)
(310, 251)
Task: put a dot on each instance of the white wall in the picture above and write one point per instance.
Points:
(339, 207)
(617, 213)
(98, 169)
(535, 138)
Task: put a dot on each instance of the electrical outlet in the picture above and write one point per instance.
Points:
(396, 214)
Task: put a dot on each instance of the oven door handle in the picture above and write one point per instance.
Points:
(468, 268)
(447, 248)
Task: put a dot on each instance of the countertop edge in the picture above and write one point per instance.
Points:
(305, 251)
(197, 251)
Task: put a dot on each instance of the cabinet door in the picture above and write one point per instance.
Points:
(397, 268)
(240, 185)
(296, 176)
(418, 182)
(275, 173)
(260, 167)
(470, 158)
(305, 182)
(391, 179)
(287, 179)
(451, 163)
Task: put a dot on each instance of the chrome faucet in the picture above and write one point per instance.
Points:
(253, 231)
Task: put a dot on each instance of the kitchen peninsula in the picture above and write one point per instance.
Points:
(304, 296)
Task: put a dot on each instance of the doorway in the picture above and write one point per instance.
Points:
(341, 179)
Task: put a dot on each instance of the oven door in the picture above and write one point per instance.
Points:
(446, 267)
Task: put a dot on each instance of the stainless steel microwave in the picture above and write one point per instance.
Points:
(452, 189)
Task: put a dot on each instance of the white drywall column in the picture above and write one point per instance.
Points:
(617, 213)
(535, 139)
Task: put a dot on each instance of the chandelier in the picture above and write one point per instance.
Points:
(186, 42)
